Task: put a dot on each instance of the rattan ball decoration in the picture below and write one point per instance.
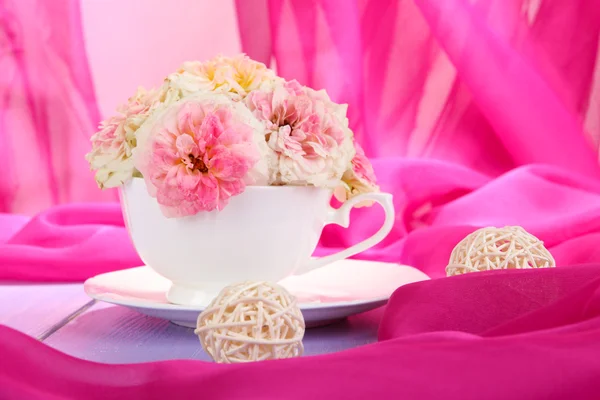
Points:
(251, 321)
(498, 248)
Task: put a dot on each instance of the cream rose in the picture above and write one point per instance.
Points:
(113, 144)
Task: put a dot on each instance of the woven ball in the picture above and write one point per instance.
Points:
(498, 248)
(251, 321)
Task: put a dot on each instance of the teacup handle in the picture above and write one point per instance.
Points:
(341, 216)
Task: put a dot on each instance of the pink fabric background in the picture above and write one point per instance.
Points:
(48, 107)
(53, 95)
(129, 45)
(476, 113)
(491, 85)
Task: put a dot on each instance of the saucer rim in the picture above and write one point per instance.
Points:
(102, 296)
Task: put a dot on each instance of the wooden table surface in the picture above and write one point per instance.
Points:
(64, 317)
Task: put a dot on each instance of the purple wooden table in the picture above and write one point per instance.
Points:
(62, 316)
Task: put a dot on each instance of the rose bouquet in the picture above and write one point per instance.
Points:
(213, 128)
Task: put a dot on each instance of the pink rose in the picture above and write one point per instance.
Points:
(198, 153)
(308, 133)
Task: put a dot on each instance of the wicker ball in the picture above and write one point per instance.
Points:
(251, 321)
(498, 248)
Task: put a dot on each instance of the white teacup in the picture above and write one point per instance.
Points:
(266, 233)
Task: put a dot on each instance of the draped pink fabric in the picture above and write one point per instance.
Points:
(477, 113)
(47, 107)
(490, 84)
(437, 204)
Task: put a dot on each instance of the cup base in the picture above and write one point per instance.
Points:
(199, 296)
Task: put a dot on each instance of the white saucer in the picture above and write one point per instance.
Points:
(327, 294)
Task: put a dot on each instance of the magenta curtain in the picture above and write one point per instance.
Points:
(47, 107)
(490, 84)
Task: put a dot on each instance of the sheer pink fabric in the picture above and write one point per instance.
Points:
(490, 84)
(473, 89)
(47, 107)
(437, 204)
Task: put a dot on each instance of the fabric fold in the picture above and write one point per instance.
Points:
(437, 341)
(490, 84)
(48, 110)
